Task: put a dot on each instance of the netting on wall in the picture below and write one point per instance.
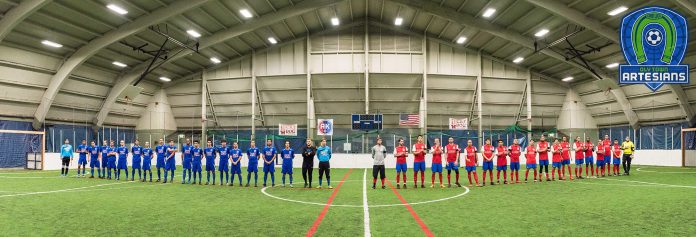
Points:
(57, 133)
(14, 147)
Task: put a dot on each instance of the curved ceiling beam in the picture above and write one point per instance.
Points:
(217, 38)
(515, 37)
(560, 9)
(91, 48)
(18, 14)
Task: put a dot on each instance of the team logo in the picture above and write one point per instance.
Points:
(654, 40)
(324, 127)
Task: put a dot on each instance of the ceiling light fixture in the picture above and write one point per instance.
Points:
(489, 12)
(617, 10)
(119, 64)
(246, 13)
(398, 21)
(518, 60)
(541, 32)
(167, 79)
(117, 9)
(193, 33)
(51, 43)
(461, 40)
(567, 79)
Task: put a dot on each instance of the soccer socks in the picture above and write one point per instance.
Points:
(415, 177)
(397, 179)
(469, 175)
(449, 179)
(403, 175)
(432, 178)
(439, 174)
(159, 172)
(457, 176)
(272, 178)
(265, 177)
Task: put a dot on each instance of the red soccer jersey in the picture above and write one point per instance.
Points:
(401, 152)
(600, 151)
(557, 157)
(437, 154)
(579, 152)
(588, 146)
(452, 151)
(420, 149)
(488, 153)
(543, 151)
(502, 157)
(531, 154)
(607, 147)
(617, 151)
(566, 150)
(470, 155)
(515, 152)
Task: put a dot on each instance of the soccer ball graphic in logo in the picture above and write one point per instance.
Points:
(654, 37)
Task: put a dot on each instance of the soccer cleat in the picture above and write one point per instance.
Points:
(264, 185)
(498, 181)
(505, 182)
(458, 185)
(157, 180)
(91, 177)
(165, 182)
(449, 185)
(256, 186)
(230, 184)
(415, 186)
(272, 185)
(492, 183)
(405, 186)
(291, 186)
(432, 186)
(330, 187)
(535, 180)
(398, 186)
(319, 187)
(422, 186)
(442, 185)
(383, 187)
(194, 183)
(305, 185)
(525, 181)
(373, 187)
(247, 185)
(206, 183)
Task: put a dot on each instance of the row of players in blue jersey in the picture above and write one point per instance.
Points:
(191, 156)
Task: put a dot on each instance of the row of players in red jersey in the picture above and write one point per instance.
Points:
(560, 159)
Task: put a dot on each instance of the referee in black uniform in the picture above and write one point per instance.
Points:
(308, 153)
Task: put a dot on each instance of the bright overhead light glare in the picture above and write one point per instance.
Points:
(518, 60)
(489, 12)
(398, 21)
(272, 40)
(117, 9)
(541, 32)
(167, 79)
(335, 21)
(567, 79)
(461, 40)
(245, 13)
(193, 33)
(51, 43)
(119, 64)
(617, 10)
(215, 60)
(612, 65)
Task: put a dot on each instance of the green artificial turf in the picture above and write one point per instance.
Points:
(652, 201)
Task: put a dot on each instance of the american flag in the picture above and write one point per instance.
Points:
(409, 119)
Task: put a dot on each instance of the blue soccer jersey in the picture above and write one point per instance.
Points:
(147, 158)
(161, 154)
(93, 152)
(269, 153)
(253, 154)
(82, 149)
(197, 159)
(287, 155)
(209, 158)
(187, 150)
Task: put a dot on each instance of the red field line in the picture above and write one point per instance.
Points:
(314, 227)
(413, 213)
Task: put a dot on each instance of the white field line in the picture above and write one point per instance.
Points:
(59, 191)
(366, 208)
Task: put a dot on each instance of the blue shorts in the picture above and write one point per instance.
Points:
(617, 161)
(565, 162)
(253, 167)
(579, 161)
(160, 162)
(82, 161)
(419, 166)
(531, 166)
(514, 165)
(556, 165)
(210, 166)
(236, 169)
(488, 165)
(223, 165)
(111, 163)
(268, 168)
(136, 164)
(122, 163)
(436, 168)
(607, 160)
(94, 163)
(501, 167)
(186, 164)
(543, 162)
(196, 166)
(147, 164)
(170, 164)
(451, 166)
(470, 168)
(286, 168)
(104, 162)
(589, 160)
(600, 163)
(401, 167)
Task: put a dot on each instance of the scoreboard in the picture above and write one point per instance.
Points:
(366, 122)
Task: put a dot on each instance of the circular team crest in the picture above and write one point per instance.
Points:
(653, 41)
(325, 127)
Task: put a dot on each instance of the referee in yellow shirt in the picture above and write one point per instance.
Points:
(628, 149)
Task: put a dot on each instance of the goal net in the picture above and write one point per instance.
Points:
(688, 147)
(21, 149)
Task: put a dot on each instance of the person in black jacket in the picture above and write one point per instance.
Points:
(308, 153)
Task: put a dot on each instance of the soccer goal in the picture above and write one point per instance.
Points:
(688, 147)
(22, 149)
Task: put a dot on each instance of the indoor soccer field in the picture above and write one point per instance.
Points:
(654, 201)
(347, 118)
